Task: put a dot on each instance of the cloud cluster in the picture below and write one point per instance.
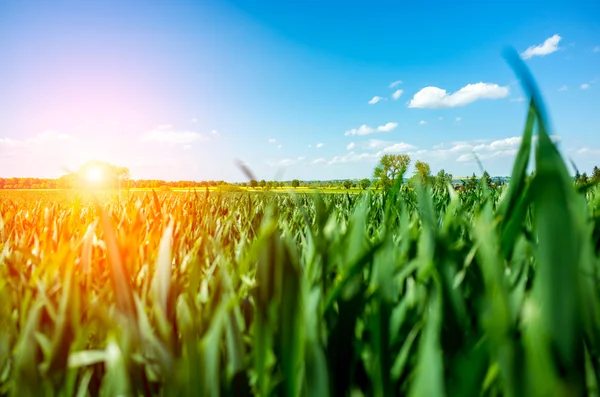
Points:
(399, 147)
(375, 100)
(549, 46)
(365, 130)
(395, 83)
(397, 94)
(434, 97)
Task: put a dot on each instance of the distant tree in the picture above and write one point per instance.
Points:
(391, 168)
(269, 185)
(295, 183)
(471, 183)
(487, 178)
(262, 183)
(347, 184)
(243, 184)
(577, 177)
(253, 183)
(442, 179)
(596, 174)
(365, 183)
(422, 170)
(584, 178)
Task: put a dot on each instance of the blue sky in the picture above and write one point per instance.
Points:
(309, 90)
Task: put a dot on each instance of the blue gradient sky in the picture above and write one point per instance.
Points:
(180, 89)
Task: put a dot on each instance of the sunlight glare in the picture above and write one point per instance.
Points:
(94, 174)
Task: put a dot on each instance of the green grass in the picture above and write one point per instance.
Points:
(420, 292)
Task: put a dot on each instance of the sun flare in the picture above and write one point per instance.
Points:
(95, 175)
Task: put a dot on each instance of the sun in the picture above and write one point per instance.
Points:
(94, 175)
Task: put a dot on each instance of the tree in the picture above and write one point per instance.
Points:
(596, 174)
(422, 170)
(262, 183)
(487, 178)
(295, 183)
(442, 179)
(577, 177)
(365, 183)
(391, 168)
(347, 184)
(471, 182)
(584, 178)
(253, 183)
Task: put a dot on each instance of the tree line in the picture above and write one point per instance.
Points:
(391, 168)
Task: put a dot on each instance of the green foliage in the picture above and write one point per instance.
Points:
(295, 183)
(391, 169)
(442, 180)
(347, 184)
(422, 171)
(365, 183)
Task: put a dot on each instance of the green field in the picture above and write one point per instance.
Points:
(424, 291)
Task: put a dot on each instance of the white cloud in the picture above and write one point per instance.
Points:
(387, 127)
(458, 118)
(166, 134)
(355, 157)
(397, 94)
(50, 135)
(279, 146)
(398, 148)
(585, 86)
(375, 100)
(434, 97)
(440, 118)
(47, 136)
(215, 132)
(370, 144)
(563, 88)
(320, 160)
(272, 140)
(309, 146)
(320, 145)
(194, 120)
(422, 122)
(365, 130)
(187, 147)
(586, 150)
(395, 83)
(518, 99)
(596, 49)
(549, 46)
